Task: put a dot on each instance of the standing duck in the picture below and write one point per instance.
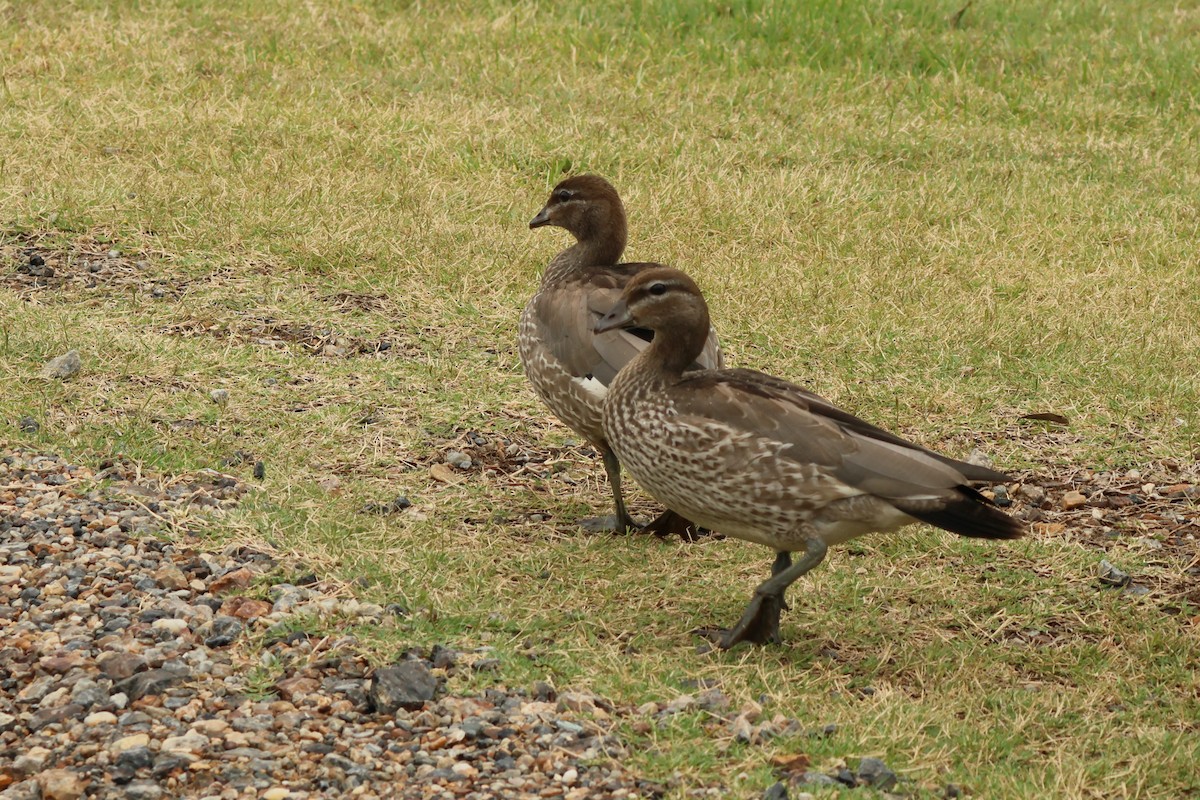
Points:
(761, 459)
(570, 366)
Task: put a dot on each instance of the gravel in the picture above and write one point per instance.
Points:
(135, 665)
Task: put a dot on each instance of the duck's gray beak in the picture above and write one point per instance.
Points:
(542, 218)
(619, 317)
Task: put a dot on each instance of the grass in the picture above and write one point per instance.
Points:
(940, 220)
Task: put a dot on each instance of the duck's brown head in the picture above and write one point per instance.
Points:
(669, 303)
(588, 206)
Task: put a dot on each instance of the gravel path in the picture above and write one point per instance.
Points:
(135, 666)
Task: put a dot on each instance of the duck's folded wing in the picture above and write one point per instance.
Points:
(819, 405)
(769, 411)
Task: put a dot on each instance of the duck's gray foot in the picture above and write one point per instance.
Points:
(759, 624)
(609, 524)
(669, 523)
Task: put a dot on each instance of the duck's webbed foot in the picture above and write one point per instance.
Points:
(669, 523)
(759, 624)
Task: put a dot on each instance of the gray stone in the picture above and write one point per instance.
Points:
(776, 791)
(874, 773)
(143, 790)
(63, 366)
(153, 681)
(1110, 575)
(457, 458)
(407, 685)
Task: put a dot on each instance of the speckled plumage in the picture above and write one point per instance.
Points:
(568, 365)
(764, 460)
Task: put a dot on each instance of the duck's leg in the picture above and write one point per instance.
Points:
(760, 621)
(669, 523)
(621, 522)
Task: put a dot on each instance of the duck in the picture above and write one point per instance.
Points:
(567, 364)
(764, 460)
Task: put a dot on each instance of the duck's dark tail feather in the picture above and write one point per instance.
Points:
(970, 514)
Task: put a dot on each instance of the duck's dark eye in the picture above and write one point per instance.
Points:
(563, 195)
(658, 289)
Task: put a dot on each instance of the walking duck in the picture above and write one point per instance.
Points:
(569, 366)
(761, 459)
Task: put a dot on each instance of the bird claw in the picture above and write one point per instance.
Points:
(759, 624)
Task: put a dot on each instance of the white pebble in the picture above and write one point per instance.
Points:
(100, 718)
(276, 793)
(175, 626)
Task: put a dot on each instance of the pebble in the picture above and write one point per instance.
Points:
(62, 367)
(1111, 576)
(456, 458)
(138, 677)
(1072, 500)
(219, 396)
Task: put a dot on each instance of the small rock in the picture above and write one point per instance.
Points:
(28, 425)
(151, 682)
(1110, 575)
(132, 742)
(741, 729)
(142, 790)
(190, 742)
(239, 578)
(456, 458)
(685, 702)
(10, 575)
(873, 772)
(120, 666)
(63, 366)
(276, 793)
(776, 791)
(60, 784)
(260, 470)
(219, 396)
(175, 626)
(1073, 500)
(100, 718)
(407, 685)
(1035, 494)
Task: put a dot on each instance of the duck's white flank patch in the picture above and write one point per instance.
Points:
(593, 387)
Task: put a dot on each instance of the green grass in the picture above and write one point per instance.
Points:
(940, 224)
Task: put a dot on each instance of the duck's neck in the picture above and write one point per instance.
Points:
(592, 251)
(676, 350)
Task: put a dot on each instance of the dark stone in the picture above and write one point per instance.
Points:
(408, 685)
(119, 666)
(846, 777)
(224, 631)
(53, 716)
(316, 747)
(390, 507)
(874, 773)
(167, 763)
(953, 791)
(36, 261)
(136, 758)
(819, 779)
(28, 425)
(544, 692)
(153, 681)
(486, 665)
(260, 470)
(396, 610)
(776, 792)
(443, 657)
